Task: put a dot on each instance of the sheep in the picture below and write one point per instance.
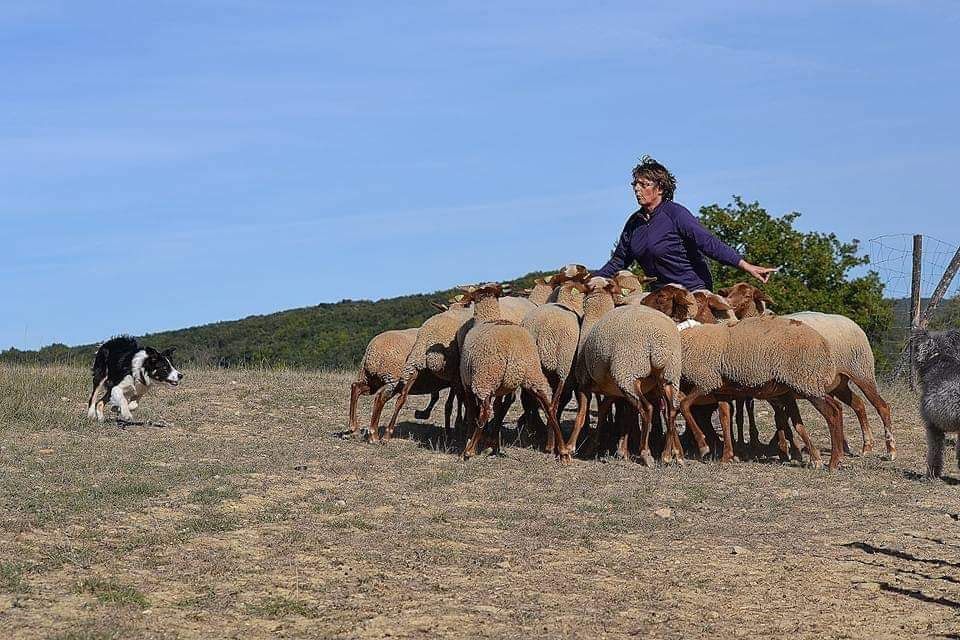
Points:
(555, 328)
(382, 360)
(852, 353)
(936, 356)
(541, 291)
(747, 300)
(855, 363)
(627, 352)
(435, 351)
(763, 357)
(498, 357)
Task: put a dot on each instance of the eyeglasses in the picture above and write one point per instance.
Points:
(643, 183)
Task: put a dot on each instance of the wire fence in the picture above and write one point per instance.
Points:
(891, 256)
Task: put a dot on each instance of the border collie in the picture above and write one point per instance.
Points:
(123, 373)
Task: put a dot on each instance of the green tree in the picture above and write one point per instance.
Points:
(815, 267)
(947, 315)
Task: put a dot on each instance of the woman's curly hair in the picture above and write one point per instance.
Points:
(652, 170)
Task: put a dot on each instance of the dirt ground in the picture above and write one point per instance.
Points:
(235, 511)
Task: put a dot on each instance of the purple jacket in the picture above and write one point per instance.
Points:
(669, 246)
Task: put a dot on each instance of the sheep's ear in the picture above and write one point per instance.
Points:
(576, 272)
(760, 296)
(438, 305)
(725, 292)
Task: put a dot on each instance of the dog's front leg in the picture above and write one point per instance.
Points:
(120, 400)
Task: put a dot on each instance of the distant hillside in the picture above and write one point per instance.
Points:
(334, 335)
(331, 335)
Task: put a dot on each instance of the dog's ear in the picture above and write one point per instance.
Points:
(151, 351)
(166, 353)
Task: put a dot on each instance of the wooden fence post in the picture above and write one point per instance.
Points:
(915, 304)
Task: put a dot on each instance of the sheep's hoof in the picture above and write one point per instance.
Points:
(891, 454)
(646, 459)
(704, 451)
(815, 464)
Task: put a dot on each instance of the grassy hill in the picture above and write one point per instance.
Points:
(334, 335)
(330, 335)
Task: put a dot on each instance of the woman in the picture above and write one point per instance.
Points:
(667, 240)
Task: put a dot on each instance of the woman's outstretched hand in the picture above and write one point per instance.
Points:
(760, 273)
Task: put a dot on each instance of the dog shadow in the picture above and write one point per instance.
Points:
(123, 424)
(913, 475)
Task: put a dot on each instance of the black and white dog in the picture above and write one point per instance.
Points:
(123, 373)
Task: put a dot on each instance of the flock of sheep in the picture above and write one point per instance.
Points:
(648, 355)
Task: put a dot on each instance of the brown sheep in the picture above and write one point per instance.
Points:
(382, 361)
(627, 352)
(852, 353)
(498, 357)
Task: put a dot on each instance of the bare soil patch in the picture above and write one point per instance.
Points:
(234, 511)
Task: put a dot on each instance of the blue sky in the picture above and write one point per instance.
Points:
(174, 163)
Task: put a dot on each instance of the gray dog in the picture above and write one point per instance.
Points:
(937, 357)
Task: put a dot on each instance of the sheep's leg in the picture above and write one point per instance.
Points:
(380, 398)
(424, 414)
(448, 408)
(357, 389)
(672, 449)
(402, 400)
(685, 405)
(869, 389)
(783, 425)
(583, 410)
(533, 423)
(501, 406)
(562, 449)
(645, 408)
(794, 412)
(724, 410)
(555, 399)
(604, 422)
(752, 420)
(740, 410)
(832, 413)
(844, 394)
(482, 415)
(564, 399)
(935, 439)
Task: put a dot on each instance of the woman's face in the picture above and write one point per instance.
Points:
(647, 191)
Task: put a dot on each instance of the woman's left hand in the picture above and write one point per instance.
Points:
(760, 273)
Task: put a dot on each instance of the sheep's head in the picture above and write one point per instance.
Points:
(459, 301)
(439, 306)
(746, 300)
(629, 284)
(674, 301)
(711, 308)
(598, 285)
(571, 294)
(473, 293)
(574, 272)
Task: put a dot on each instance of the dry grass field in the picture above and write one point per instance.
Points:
(235, 511)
